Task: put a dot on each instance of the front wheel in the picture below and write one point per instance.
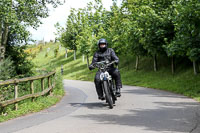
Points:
(113, 91)
(108, 94)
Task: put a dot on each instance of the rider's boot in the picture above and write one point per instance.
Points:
(118, 93)
(101, 98)
(99, 92)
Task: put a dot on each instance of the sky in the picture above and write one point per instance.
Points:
(59, 14)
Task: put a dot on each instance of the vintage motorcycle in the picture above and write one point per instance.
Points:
(107, 82)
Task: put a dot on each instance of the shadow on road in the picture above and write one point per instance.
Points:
(163, 119)
(93, 105)
(174, 116)
(153, 92)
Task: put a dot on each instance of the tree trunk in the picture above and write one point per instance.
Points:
(1, 31)
(2, 53)
(74, 54)
(4, 39)
(5, 35)
(65, 53)
(155, 63)
(83, 59)
(173, 64)
(4, 28)
(137, 62)
(1, 28)
(195, 67)
(87, 61)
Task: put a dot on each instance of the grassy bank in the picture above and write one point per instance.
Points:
(182, 82)
(40, 103)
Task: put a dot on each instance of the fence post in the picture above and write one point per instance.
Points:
(16, 95)
(15, 83)
(32, 89)
(54, 79)
(49, 84)
(42, 84)
(61, 69)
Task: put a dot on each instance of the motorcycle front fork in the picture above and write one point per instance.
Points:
(113, 87)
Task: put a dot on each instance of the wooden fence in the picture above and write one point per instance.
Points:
(15, 82)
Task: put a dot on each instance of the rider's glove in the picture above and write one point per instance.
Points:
(116, 62)
(91, 67)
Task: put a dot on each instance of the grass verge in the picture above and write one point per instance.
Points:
(40, 103)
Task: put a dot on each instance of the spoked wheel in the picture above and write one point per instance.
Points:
(108, 94)
(113, 89)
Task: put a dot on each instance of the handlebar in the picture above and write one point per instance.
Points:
(103, 64)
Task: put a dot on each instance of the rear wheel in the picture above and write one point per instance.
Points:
(108, 94)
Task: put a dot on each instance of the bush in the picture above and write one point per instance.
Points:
(23, 66)
(7, 69)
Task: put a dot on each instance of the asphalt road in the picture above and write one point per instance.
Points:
(139, 110)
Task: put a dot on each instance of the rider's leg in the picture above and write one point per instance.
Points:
(98, 86)
(116, 75)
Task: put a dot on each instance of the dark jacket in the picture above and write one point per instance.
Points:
(109, 54)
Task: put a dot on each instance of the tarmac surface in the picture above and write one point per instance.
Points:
(139, 110)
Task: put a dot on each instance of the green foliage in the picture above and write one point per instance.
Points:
(117, 29)
(186, 18)
(16, 16)
(150, 26)
(59, 30)
(23, 67)
(29, 12)
(7, 69)
(143, 28)
(84, 28)
(68, 38)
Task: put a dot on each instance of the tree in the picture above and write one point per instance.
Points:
(150, 26)
(118, 29)
(69, 36)
(84, 38)
(187, 37)
(20, 14)
(83, 27)
(59, 30)
(132, 31)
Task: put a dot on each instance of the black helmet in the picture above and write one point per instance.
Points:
(102, 41)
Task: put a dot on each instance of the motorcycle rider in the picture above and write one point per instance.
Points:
(105, 53)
